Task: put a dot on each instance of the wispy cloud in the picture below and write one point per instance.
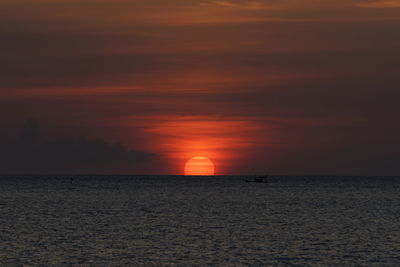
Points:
(381, 4)
(255, 5)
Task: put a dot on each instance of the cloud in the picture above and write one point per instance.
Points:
(380, 4)
(255, 5)
(94, 63)
(72, 155)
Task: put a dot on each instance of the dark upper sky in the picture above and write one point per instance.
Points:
(140, 86)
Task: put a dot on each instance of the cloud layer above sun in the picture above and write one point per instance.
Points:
(292, 86)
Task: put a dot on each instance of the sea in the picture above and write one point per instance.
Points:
(199, 221)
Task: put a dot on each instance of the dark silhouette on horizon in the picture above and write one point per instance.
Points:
(77, 154)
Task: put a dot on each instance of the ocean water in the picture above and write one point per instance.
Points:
(186, 221)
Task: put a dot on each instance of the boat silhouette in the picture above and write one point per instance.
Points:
(258, 179)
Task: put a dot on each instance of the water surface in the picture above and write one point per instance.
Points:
(174, 220)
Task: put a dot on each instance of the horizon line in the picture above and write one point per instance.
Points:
(209, 176)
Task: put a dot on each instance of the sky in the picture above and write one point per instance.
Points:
(289, 87)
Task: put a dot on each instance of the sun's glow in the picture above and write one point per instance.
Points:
(199, 165)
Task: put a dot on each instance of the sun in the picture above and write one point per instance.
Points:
(199, 165)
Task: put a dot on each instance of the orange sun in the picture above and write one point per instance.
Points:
(199, 166)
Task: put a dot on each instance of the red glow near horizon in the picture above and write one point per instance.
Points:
(179, 138)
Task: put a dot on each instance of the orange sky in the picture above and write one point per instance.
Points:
(282, 86)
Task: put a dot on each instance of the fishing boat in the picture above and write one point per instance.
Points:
(258, 179)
